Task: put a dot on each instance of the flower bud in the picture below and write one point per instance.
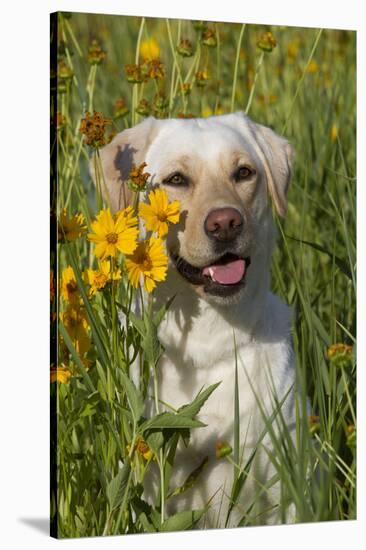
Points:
(134, 74)
(201, 78)
(222, 449)
(95, 54)
(199, 25)
(185, 48)
(120, 109)
(143, 108)
(314, 425)
(266, 42)
(209, 38)
(340, 355)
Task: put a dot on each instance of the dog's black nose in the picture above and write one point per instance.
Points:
(224, 224)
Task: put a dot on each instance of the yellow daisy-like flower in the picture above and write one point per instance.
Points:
(72, 228)
(159, 212)
(149, 261)
(76, 323)
(149, 49)
(113, 234)
(97, 279)
(69, 288)
(60, 374)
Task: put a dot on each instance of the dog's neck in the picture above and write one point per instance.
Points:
(189, 308)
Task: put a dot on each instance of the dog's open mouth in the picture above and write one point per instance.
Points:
(223, 277)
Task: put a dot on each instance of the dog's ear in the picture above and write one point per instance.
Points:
(277, 161)
(127, 149)
(276, 156)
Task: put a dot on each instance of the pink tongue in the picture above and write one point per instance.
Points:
(228, 274)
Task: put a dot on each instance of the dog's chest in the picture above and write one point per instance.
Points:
(207, 349)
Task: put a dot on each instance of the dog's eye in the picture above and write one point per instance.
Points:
(243, 173)
(176, 179)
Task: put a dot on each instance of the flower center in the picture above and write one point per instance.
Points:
(162, 217)
(146, 264)
(71, 287)
(112, 238)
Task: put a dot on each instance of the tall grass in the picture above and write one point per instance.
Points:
(305, 87)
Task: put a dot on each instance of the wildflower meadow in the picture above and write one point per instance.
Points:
(107, 74)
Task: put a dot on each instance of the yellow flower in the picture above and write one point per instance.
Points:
(159, 212)
(149, 49)
(60, 374)
(69, 288)
(113, 234)
(292, 50)
(313, 67)
(76, 323)
(150, 261)
(207, 111)
(334, 133)
(72, 228)
(144, 449)
(98, 279)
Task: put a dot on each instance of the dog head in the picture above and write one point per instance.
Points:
(222, 170)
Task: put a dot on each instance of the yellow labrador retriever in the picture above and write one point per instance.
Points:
(223, 170)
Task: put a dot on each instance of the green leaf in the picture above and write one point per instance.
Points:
(133, 395)
(155, 440)
(340, 263)
(236, 413)
(90, 404)
(159, 315)
(182, 520)
(192, 409)
(117, 487)
(137, 323)
(150, 341)
(170, 420)
(191, 479)
(169, 462)
(143, 512)
(102, 381)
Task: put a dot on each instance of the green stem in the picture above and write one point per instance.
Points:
(99, 168)
(176, 65)
(236, 67)
(317, 38)
(91, 86)
(251, 95)
(218, 65)
(135, 86)
(97, 183)
(114, 316)
(73, 37)
(73, 172)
